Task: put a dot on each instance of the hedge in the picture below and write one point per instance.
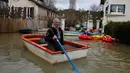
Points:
(119, 30)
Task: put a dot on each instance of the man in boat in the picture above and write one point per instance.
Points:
(54, 32)
(94, 29)
(85, 31)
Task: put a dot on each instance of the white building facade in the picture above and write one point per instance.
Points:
(116, 11)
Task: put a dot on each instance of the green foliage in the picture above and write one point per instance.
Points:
(119, 30)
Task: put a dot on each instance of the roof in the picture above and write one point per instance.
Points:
(44, 6)
(102, 2)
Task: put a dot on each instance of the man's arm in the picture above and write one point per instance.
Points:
(49, 35)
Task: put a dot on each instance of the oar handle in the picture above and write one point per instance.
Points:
(77, 71)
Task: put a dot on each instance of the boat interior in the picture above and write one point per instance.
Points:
(68, 45)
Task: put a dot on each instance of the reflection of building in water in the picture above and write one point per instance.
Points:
(72, 4)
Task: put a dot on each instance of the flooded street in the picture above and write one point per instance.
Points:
(102, 58)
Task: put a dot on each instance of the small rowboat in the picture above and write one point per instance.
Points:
(25, 31)
(88, 37)
(74, 50)
(85, 37)
(108, 38)
(98, 37)
(72, 33)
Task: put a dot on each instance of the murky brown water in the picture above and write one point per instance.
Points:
(102, 58)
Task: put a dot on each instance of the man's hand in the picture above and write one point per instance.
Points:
(54, 37)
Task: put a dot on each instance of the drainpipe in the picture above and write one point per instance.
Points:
(104, 18)
(36, 17)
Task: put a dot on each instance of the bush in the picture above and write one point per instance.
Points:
(119, 30)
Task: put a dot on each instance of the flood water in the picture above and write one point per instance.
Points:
(101, 58)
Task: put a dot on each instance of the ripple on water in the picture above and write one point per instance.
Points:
(101, 58)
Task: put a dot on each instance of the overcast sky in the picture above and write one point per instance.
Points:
(82, 4)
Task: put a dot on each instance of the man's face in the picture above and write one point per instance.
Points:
(57, 23)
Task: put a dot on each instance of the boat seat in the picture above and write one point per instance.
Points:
(43, 44)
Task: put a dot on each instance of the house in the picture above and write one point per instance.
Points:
(37, 10)
(115, 10)
(3, 4)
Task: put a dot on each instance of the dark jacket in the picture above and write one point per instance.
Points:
(49, 37)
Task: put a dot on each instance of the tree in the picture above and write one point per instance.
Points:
(95, 13)
(94, 8)
(50, 3)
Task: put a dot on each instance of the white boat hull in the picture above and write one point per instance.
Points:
(56, 58)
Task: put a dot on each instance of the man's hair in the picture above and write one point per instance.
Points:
(56, 19)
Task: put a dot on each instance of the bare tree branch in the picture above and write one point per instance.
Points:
(50, 3)
(94, 7)
(72, 4)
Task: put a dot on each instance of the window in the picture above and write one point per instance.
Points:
(117, 8)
